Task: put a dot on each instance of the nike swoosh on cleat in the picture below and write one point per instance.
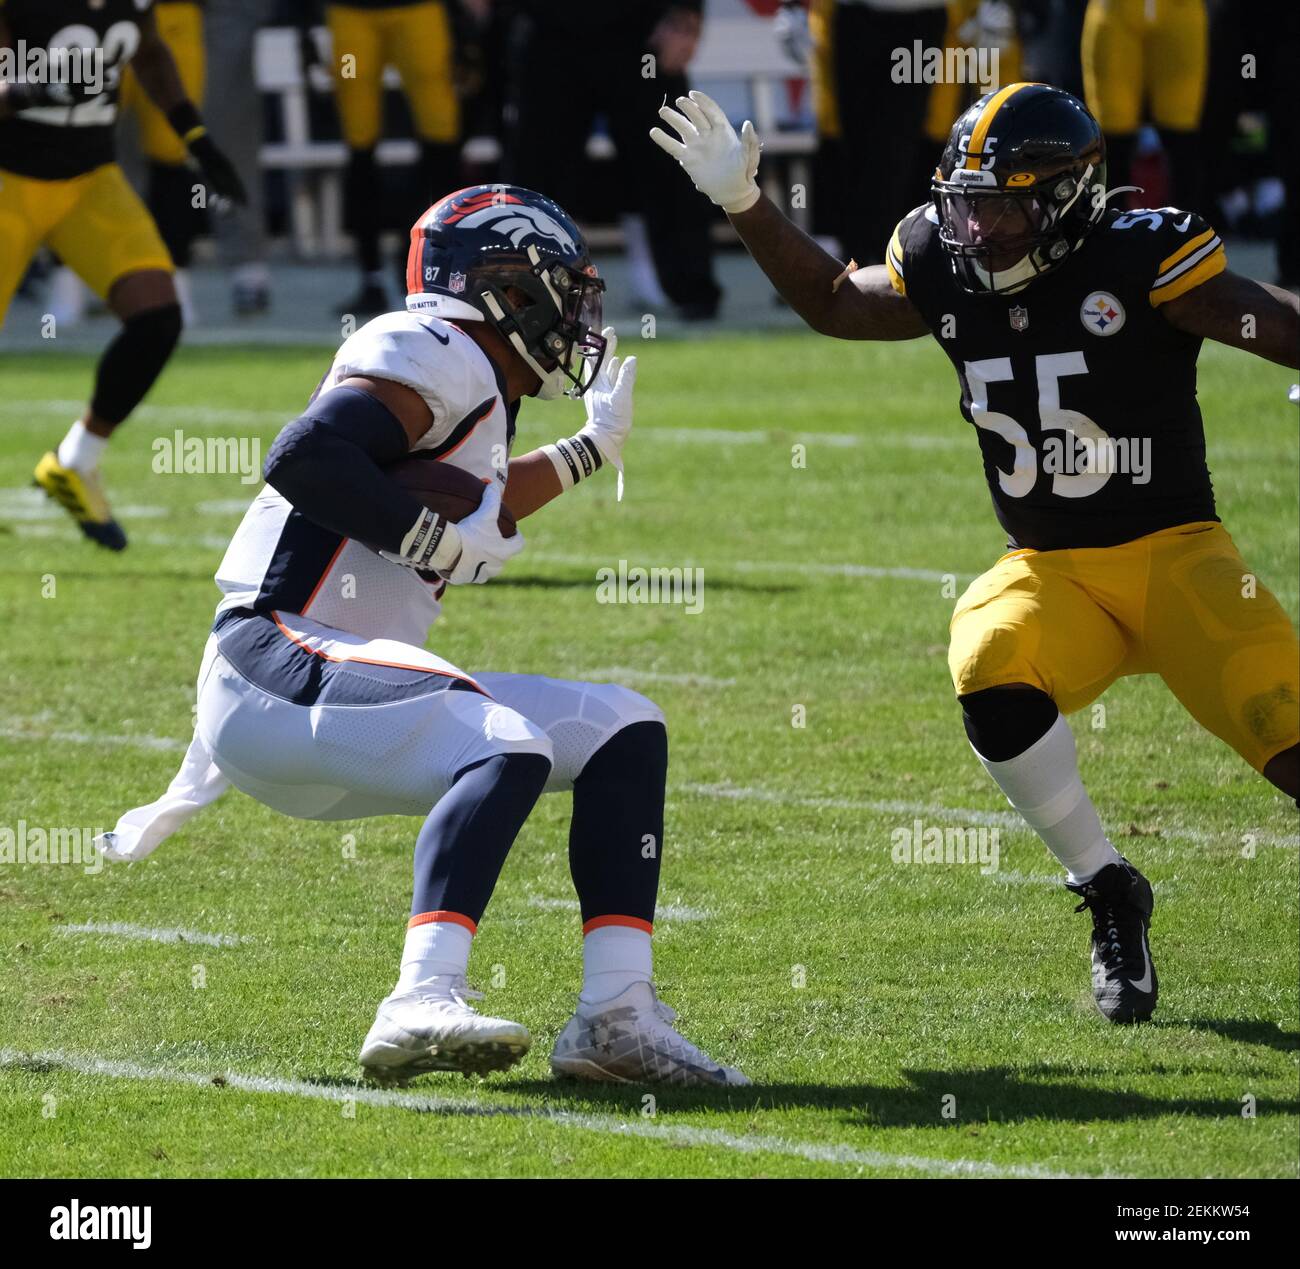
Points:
(1143, 984)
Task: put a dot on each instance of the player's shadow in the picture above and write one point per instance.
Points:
(993, 1095)
(586, 581)
(1248, 1031)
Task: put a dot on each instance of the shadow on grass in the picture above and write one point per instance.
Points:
(588, 579)
(1247, 1031)
(995, 1095)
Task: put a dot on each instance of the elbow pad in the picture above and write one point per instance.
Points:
(327, 464)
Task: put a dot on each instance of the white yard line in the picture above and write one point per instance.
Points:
(626, 675)
(192, 417)
(18, 729)
(1168, 831)
(968, 815)
(608, 1125)
(664, 912)
(24, 527)
(122, 929)
(790, 569)
(204, 541)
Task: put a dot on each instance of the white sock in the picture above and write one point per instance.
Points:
(434, 949)
(613, 958)
(185, 296)
(253, 274)
(80, 449)
(1043, 785)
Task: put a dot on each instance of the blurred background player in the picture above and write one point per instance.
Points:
(60, 185)
(1143, 56)
(882, 141)
(414, 37)
(236, 115)
(549, 116)
(169, 182)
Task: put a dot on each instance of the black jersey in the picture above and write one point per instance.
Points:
(1082, 395)
(58, 142)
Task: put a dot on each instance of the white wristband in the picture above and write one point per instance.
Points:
(574, 458)
(433, 543)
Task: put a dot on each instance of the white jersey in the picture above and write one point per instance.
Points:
(279, 561)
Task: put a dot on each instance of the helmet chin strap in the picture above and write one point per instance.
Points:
(554, 381)
(1006, 281)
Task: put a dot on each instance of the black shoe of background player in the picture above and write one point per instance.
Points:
(248, 299)
(370, 301)
(1123, 973)
(699, 311)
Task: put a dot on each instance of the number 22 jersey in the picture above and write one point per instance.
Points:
(57, 142)
(1082, 394)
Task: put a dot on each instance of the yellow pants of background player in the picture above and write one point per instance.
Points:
(416, 39)
(96, 222)
(1180, 603)
(1145, 49)
(181, 27)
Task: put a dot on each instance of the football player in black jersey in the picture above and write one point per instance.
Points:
(60, 185)
(1074, 331)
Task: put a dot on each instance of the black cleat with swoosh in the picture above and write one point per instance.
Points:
(1123, 973)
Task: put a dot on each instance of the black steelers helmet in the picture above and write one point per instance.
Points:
(469, 248)
(1021, 184)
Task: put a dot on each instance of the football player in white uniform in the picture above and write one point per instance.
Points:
(317, 697)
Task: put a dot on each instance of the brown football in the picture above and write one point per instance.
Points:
(450, 491)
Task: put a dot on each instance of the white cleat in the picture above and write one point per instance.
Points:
(432, 1027)
(631, 1040)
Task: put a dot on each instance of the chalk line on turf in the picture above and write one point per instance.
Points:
(123, 929)
(610, 1125)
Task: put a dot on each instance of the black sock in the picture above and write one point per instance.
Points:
(1002, 722)
(171, 202)
(133, 360)
(1119, 159)
(1183, 154)
(465, 840)
(439, 171)
(616, 835)
(361, 207)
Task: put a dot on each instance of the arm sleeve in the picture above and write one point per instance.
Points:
(327, 464)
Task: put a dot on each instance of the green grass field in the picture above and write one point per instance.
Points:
(865, 998)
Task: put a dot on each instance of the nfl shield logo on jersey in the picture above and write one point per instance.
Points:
(1102, 313)
(1019, 316)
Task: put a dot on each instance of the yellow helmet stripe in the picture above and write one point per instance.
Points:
(975, 151)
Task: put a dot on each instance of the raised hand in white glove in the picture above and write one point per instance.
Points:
(609, 406)
(722, 165)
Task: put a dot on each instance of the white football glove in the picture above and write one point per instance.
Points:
(470, 551)
(722, 165)
(790, 26)
(483, 551)
(609, 406)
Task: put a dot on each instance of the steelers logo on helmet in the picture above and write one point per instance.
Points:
(1019, 187)
(1102, 313)
(513, 258)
